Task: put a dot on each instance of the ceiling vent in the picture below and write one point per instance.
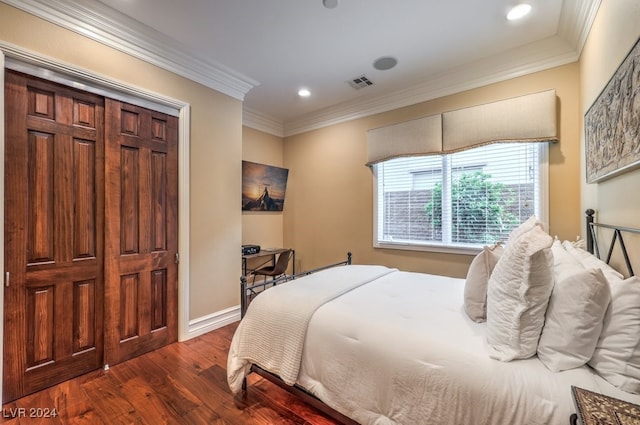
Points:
(360, 82)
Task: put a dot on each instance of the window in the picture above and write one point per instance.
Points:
(461, 201)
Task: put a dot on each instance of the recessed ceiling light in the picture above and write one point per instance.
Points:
(330, 4)
(519, 11)
(384, 63)
(304, 93)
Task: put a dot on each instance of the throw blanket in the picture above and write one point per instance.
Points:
(275, 341)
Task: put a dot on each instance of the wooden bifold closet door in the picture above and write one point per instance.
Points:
(80, 292)
(141, 231)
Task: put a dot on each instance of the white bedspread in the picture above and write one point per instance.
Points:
(401, 350)
(275, 341)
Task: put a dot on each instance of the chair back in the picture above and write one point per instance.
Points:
(282, 263)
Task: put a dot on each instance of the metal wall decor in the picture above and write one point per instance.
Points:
(612, 123)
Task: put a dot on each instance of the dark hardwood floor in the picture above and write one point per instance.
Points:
(183, 383)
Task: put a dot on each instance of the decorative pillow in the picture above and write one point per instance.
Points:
(475, 287)
(517, 296)
(589, 260)
(524, 227)
(563, 262)
(579, 243)
(617, 354)
(575, 313)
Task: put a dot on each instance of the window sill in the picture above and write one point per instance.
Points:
(446, 249)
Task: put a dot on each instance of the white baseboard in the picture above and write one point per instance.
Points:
(211, 322)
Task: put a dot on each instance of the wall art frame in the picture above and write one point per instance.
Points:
(263, 187)
(612, 123)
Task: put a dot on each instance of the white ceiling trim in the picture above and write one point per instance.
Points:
(262, 122)
(122, 33)
(38, 65)
(576, 32)
(518, 62)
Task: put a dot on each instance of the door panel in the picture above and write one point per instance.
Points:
(65, 265)
(141, 213)
(54, 180)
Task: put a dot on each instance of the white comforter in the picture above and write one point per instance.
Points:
(400, 350)
(275, 342)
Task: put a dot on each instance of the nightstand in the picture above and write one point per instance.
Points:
(598, 409)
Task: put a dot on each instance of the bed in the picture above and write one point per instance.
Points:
(377, 345)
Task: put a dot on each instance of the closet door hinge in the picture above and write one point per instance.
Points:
(177, 258)
(6, 279)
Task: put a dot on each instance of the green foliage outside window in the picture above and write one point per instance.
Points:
(480, 209)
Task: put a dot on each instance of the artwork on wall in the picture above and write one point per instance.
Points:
(612, 123)
(263, 187)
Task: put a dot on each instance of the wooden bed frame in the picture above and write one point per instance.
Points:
(250, 291)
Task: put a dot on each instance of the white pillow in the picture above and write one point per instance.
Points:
(517, 296)
(589, 260)
(575, 313)
(617, 354)
(579, 243)
(475, 287)
(524, 227)
(563, 262)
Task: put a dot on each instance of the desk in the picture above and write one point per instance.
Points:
(269, 256)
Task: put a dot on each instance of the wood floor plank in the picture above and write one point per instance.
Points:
(38, 408)
(282, 398)
(214, 344)
(182, 383)
(204, 415)
(110, 402)
(148, 404)
(175, 395)
(69, 393)
(83, 413)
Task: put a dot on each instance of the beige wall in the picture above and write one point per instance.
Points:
(215, 156)
(613, 34)
(330, 193)
(262, 228)
(329, 209)
(329, 196)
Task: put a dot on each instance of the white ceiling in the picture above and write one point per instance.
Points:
(264, 51)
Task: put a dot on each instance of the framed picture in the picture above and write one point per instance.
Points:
(263, 187)
(612, 123)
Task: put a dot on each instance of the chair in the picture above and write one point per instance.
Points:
(276, 270)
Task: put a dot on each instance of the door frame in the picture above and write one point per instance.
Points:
(38, 65)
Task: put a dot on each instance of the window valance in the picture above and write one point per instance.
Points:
(415, 137)
(528, 118)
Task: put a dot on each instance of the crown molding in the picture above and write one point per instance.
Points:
(262, 122)
(116, 30)
(576, 19)
(22, 60)
(546, 54)
(120, 32)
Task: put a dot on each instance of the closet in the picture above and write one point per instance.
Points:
(90, 232)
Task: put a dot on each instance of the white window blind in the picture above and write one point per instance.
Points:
(459, 201)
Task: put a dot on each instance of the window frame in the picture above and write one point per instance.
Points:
(542, 215)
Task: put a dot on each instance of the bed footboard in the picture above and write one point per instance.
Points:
(248, 291)
(302, 394)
